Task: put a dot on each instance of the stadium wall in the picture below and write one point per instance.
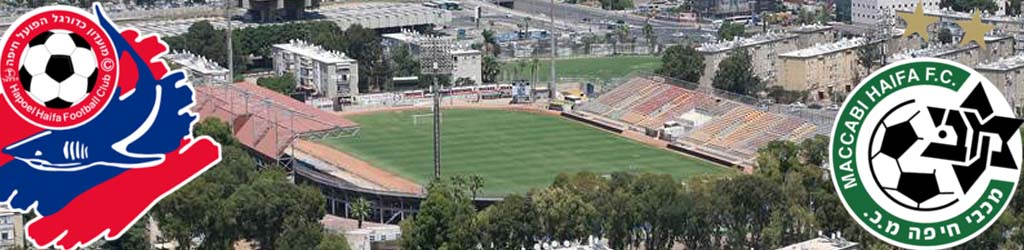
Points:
(386, 207)
(600, 124)
(706, 157)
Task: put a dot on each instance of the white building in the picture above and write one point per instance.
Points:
(467, 65)
(199, 70)
(467, 61)
(364, 238)
(11, 228)
(324, 73)
(869, 12)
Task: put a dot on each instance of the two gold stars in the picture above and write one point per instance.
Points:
(974, 30)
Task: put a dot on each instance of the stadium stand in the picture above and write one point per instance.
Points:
(266, 121)
(729, 131)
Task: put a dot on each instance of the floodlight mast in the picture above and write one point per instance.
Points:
(437, 125)
(231, 52)
(437, 53)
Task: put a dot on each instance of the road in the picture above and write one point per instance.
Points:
(576, 14)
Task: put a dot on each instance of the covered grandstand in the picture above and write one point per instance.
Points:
(723, 130)
(265, 121)
(277, 128)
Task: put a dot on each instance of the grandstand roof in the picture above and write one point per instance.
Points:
(264, 120)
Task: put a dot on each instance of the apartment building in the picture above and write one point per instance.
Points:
(323, 73)
(824, 71)
(200, 70)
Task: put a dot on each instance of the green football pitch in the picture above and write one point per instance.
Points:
(512, 151)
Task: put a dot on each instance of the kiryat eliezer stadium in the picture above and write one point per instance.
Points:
(383, 151)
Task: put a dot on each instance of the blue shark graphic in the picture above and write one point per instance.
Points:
(133, 131)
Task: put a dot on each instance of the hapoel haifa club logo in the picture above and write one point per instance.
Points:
(97, 129)
(926, 154)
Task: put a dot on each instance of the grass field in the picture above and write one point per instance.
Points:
(512, 151)
(602, 68)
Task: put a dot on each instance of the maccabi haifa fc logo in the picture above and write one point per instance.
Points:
(96, 128)
(926, 154)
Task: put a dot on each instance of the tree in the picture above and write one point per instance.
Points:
(299, 234)
(490, 43)
(731, 30)
(405, 64)
(781, 95)
(205, 40)
(1013, 8)
(271, 203)
(216, 128)
(333, 242)
(521, 66)
(649, 35)
(474, 184)
(444, 220)
(616, 4)
(869, 55)
(736, 75)
(491, 69)
(137, 237)
(625, 34)
(563, 215)
(283, 84)
(198, 209)
(945, 36)
(508, 224)
(658, 208)
(824, 15)
(682, 62)
(360, 209)
(746, 209)
(534, 67)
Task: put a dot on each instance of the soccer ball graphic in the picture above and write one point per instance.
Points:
(58, 69)
(907, 178)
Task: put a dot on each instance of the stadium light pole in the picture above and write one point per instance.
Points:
(231, 52)
(554, 53)
(436, 52)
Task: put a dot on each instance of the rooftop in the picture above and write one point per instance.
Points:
(810, 28)
(195, 62)
(1006, 63)
(940, 50)
(742, 42)
(963, 15)
(821, 49)
(315, 52)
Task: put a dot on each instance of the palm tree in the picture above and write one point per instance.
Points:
(521, 66)
(649, 35)
(534, 67)
(475, 183)
(360, 209)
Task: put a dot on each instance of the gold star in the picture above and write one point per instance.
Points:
(974, 30)
(917, 22)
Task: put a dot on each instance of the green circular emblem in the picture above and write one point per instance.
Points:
(926, 153)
